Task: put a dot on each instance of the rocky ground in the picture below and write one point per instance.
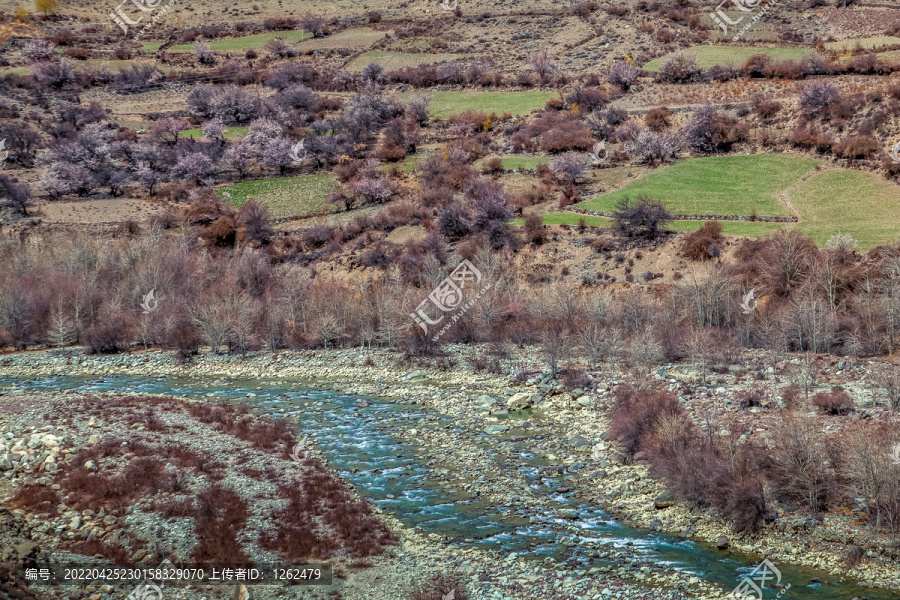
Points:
(479, 402)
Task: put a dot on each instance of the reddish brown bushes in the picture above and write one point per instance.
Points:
(37, 499)
(703, 244)
(221, 515)
(833, 403)
(635, 413)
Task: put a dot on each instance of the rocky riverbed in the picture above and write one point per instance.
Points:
(565, 428)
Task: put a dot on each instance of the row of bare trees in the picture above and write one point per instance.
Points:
(61, 289)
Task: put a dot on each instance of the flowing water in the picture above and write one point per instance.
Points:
(389, 472)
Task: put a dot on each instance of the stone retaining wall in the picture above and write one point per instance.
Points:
(763, 219)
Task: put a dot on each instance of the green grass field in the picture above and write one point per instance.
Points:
(445, 104)
(728, 185)
(256, 42)
(285, 196)
(868, 42)
(397, 60)
(855, 202)
(708, 56)
(742, 228)
(517, 162)
(230, 133)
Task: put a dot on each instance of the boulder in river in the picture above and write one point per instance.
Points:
(722, 542)
(520, 401)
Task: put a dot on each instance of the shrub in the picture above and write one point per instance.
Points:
(858, 147)
(809, 137)
(221, 515)
(204, 54)
(697, 245)
(622, 74)
(833, 403)
(635, 413)
(535, 228)
(38, 49)
(657, 119)
(644, 218)
(757, 65)
(711, 130)
(765, 108)
(818, 98)
(108, 337)
(750, 398)
(680, 67)
(570, 165)
(313, 23)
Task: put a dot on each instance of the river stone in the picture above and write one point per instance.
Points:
(496, 428)
(584, 401)
(655, 525)
(5, 463)
(569, 513)
(520, 401)
(90, 465)
(485, 400)
(722, 542)
(664, 500)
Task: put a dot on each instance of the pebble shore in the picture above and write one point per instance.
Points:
(479, 402)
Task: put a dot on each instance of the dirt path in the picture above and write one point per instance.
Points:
(783, 195)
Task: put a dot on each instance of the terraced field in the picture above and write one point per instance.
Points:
(284, 196)
(732, 185)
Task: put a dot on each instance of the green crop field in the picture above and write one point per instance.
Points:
(230, 133)
(256, 42)
(741, 228)
(397, 60)
(708, 56)
(868, 42)
(728, 185)
(445, 104)
(517, 162)
(285, 196)
(855, 202)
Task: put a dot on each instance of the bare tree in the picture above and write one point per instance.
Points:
(555, 346)
(698, 346)
(646, 349)
(591, 343)
(800, 460)
(543, 64)
(210, 317)
(888, 380)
